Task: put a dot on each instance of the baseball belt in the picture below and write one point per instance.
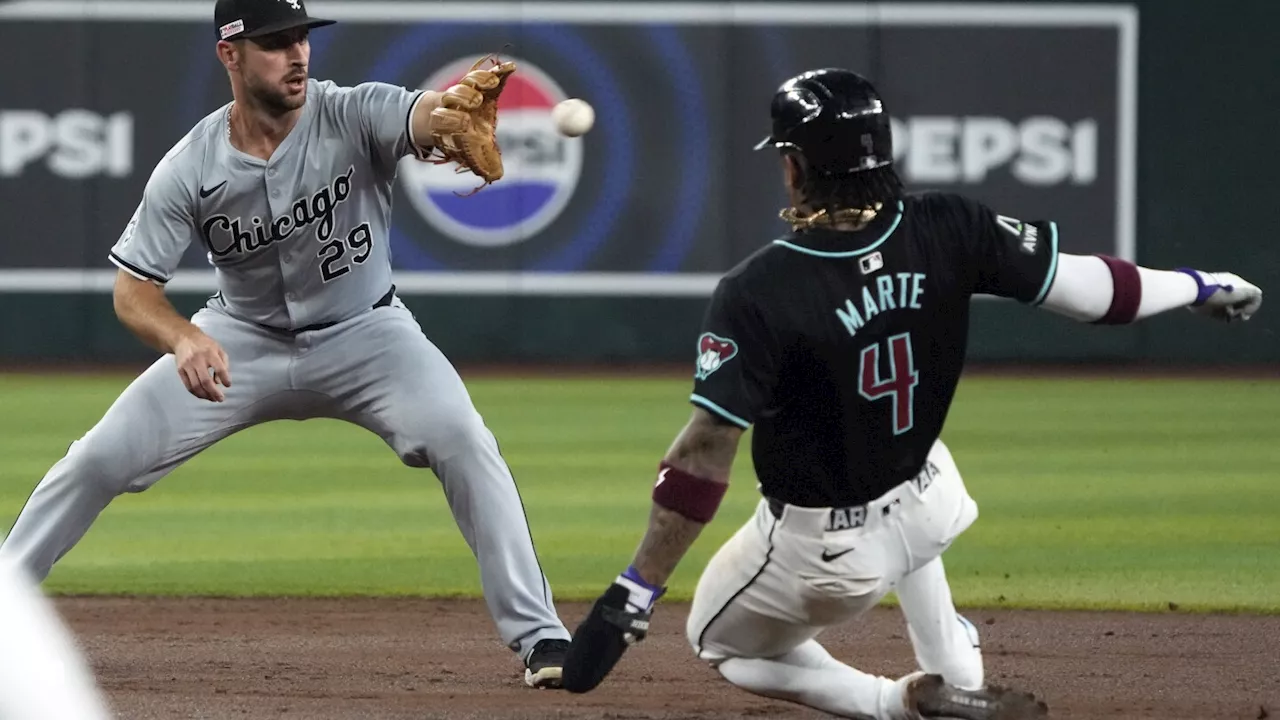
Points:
(839, 518)
(383, 301)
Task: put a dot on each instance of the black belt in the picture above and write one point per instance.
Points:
(855, 516)
(383, 301)
(840, 518)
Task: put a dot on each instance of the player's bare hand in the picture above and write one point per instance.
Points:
(203, 366)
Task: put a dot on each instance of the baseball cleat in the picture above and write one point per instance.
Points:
(545, 664)
(931, 698)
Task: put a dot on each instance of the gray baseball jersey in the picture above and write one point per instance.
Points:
(297, 240)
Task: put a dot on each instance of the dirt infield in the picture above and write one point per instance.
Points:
(331, 659)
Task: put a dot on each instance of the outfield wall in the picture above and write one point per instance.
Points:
(1144, 129)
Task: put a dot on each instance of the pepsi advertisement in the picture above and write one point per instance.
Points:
(1030, 111)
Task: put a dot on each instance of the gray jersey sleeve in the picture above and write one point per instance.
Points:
(381, 112)
(161, 229)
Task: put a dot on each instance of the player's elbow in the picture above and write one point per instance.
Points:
(706, 447)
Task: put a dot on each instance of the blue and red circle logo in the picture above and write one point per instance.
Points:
(541, 167)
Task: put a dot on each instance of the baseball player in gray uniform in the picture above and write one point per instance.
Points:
(289, 189)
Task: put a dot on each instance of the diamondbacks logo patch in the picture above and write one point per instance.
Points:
(713, 351)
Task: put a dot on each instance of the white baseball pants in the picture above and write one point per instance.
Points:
(768, 592)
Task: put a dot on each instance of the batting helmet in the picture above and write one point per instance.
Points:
(835, 119)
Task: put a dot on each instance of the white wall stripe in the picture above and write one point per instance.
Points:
(408, 283)
(675, 13)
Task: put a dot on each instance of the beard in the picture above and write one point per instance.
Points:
(275, 99)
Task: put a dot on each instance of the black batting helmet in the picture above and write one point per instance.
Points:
(835, 119)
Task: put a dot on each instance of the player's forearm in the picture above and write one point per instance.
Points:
(697, 467)
(669, 537)
(142, 307)
(1084, 289)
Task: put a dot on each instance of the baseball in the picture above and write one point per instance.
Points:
(573, 117)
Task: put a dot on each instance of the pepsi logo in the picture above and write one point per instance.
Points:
(541, 167)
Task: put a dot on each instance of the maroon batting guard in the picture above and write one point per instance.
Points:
(686, 494)
(1127, 295)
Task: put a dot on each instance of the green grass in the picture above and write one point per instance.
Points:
(1119, 494)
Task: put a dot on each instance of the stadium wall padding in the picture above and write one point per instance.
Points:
(1027, 112)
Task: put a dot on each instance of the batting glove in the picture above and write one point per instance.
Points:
(618, 619)
(1224, 296)
(641, 596)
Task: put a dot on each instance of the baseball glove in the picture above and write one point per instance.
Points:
(463, 127)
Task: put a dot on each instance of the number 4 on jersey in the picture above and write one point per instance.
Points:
(901, 383)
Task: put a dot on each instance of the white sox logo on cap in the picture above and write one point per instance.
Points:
(293, 4)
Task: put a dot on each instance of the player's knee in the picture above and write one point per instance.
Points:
(100, 462)
(439, 442)
(705, 648)
(708, 655)
(413, 454)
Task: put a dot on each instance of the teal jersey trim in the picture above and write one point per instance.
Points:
(697, 399)
(848, 253)
(1053, 264)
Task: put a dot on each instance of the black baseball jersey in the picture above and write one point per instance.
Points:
(844, 349)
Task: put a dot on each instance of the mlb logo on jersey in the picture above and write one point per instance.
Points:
(541, 167)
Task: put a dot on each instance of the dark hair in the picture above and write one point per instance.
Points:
(850, 191)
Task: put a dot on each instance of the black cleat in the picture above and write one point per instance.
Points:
(933, 699)
(545, 664)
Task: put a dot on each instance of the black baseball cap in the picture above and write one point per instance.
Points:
(236, 19)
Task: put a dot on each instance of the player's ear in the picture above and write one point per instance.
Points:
(228, 54)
